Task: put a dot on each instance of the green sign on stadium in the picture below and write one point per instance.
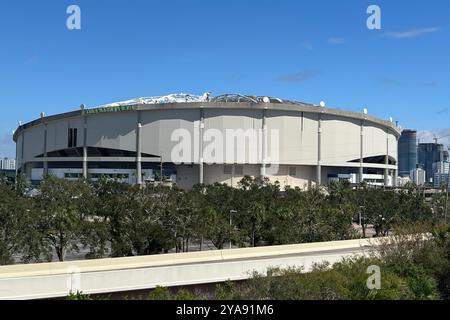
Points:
(111, 109)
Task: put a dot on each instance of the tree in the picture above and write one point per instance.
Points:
(55, 221)
(438, 203)
(113, 202)
(204, 216)
(381, 210)
(12, 208)
(185, 212)
(299, 217)
(255, 198)
(22, 184)
(312, 222)
(147, 233)
(412, 208)
(361, 196)
(220, 199)
(340, 211)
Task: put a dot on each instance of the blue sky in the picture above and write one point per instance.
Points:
(302, 50)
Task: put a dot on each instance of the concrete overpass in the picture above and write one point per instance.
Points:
(58, 279)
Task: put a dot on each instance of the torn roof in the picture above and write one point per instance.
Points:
(186, 98)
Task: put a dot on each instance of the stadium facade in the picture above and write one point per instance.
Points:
(204, 139)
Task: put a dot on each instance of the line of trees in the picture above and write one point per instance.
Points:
(111, 219)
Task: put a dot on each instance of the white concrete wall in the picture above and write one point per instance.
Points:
(215, 173)
(33, 143)
(187, 177)
(236, 121)
(393, 147)
(298, 136)
(58, 279)
(57, 135)
(158, 126)
(341, 140)
(374, 141)
(112, 130)
(303, 179)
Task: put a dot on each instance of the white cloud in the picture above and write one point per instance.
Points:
(411, 33)
(307, 45)
(300, 76)
(427, 136)
(391, 82)
(428, 83)
(336, 40)
(442, 112)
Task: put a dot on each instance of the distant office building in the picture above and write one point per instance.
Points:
(407, 152)
(446, 158)
(440, 170)
(403, 181)
(8, 164)
(427, 154)
(418, 176)
(440, 179)
(440, 167)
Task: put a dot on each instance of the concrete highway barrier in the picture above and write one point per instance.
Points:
(58, 279)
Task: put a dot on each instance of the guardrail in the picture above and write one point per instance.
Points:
(58, 279)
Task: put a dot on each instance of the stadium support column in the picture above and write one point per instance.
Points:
(394, 183)
(22, 164)
(200, 145)
(17, 159)
(85, 155)
(395, 177)
(319, 151)
(45, 151)
(264, 144)
(361, 154)
(386, 169)
(139, 154)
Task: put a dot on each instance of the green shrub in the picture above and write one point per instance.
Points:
(160, 293)
(184, 294)
(78, 296)
(226, 291)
